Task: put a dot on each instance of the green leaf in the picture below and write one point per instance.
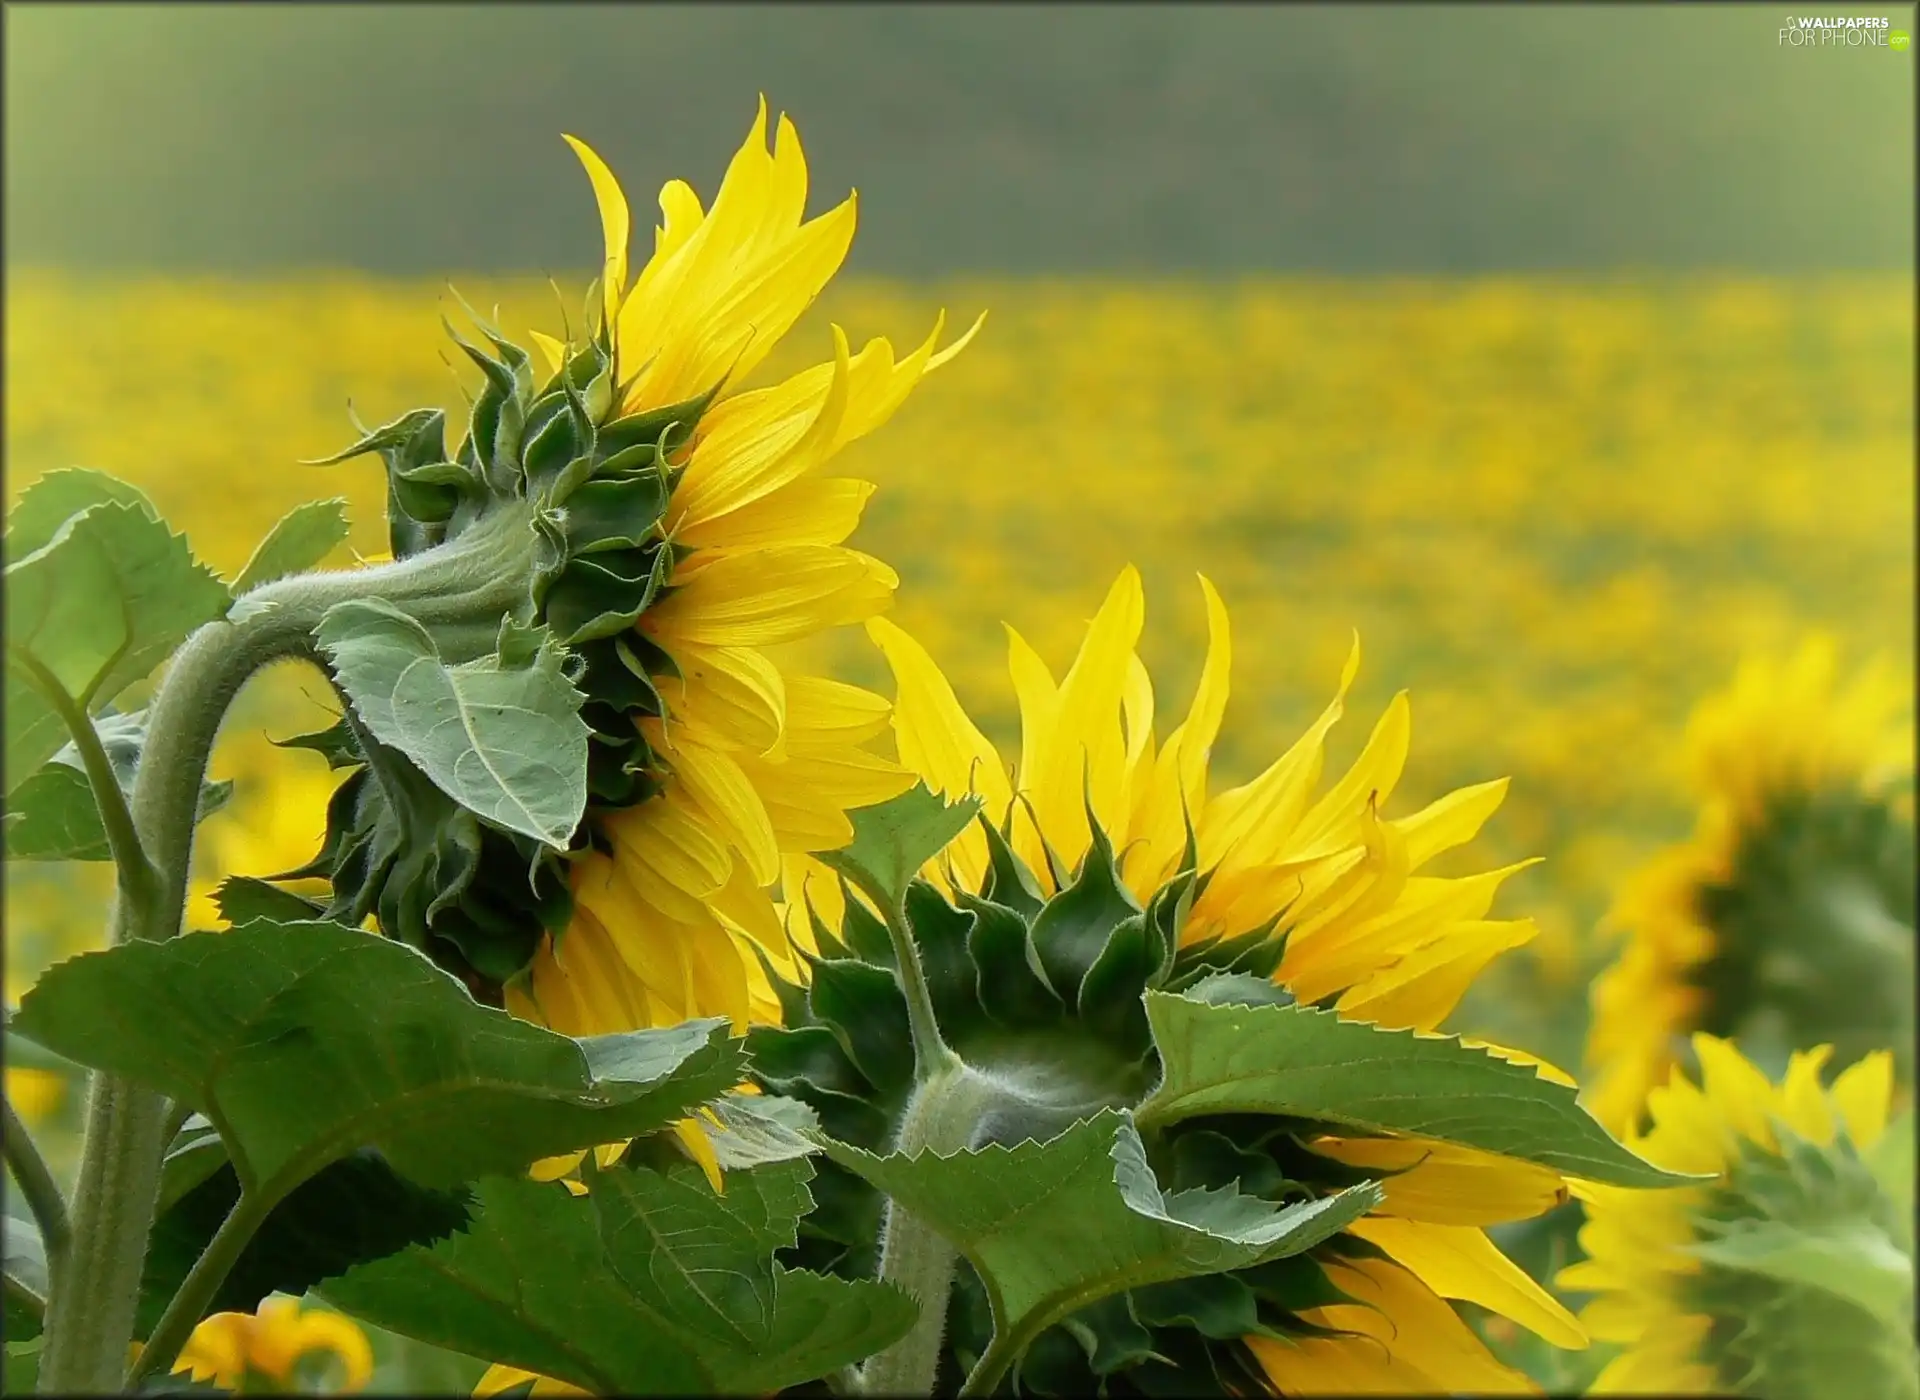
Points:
(1298, 1062)
(53, 815)
(1053, 1226)
(1852, 1259)
(96, 607)
(650, 1284)
(303, 537)
(893, 840)
(26, 1278)
(305, 1041)
(354, 1211)
(756, 1129)
(195, 1154)
(242, 899)
(507, 743)
(56, 498)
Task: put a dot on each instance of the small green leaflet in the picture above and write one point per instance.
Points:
(304, 1041)
(892, 840)
(52, 815)
(1053, 1226)
(648, 1285)
(303, 537)
(108, 595)
(505, 741)
(1299, 1062)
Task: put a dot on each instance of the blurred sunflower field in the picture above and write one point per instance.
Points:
(1557, 512)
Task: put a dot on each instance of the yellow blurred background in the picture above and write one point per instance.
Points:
(1556, 511)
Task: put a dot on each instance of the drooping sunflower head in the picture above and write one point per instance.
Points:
(676, 526)
(1787, 919)
(1104, 865)
(1784, 1277)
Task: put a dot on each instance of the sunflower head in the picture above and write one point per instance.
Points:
(1788, 1275)
(635, 516)
(1101, 870)
(580, 487)
(1788, 918)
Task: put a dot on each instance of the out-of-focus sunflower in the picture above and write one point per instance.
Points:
(265, 1349)
(1315, 889)
(1787, 919)
(1697, 1282)
(754, 762)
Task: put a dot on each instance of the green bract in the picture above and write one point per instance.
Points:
(1112, 1085)
(1806, 1274)
(455, 841)
(1814, 932)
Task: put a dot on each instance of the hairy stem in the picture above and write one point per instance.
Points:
(196, 1294)
(36, 1182)
(483, 574)
(940, 1117)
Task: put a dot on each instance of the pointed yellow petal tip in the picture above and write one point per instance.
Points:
(954, 349)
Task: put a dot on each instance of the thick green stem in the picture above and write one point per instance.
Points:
(196, 1294)
(483, 574)
(36, 1182)
(940, 1117)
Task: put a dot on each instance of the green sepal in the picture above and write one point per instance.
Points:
(893, 839)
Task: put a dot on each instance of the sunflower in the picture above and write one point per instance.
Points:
(1694, 1317)
(245, 1350)
(1318, 891)
(1787, 918)
(751, 761)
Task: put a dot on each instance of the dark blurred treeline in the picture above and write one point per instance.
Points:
(1044, 138)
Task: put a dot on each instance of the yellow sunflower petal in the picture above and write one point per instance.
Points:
(1458, 1261)
(1862, 1095)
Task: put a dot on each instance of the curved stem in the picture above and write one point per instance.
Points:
(197, 1292)
(91, 1306)
(29, 1169)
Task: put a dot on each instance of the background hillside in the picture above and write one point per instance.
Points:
(1024, 139)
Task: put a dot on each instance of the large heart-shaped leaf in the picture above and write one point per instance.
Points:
(501, 736)
(304, 1041)
(893, 839)
(53, 815)
(1053, 1226)
(1297, 1062)
(94, 606)
(649, 1284)
(299, 541)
